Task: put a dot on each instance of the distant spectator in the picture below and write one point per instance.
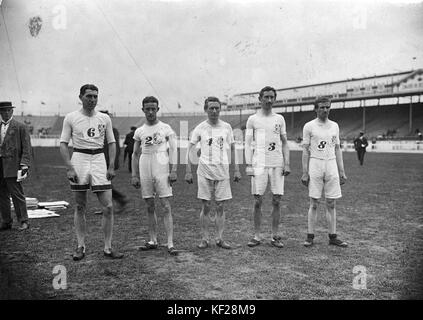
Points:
(419, 134)
(129, 147)
(360, 145)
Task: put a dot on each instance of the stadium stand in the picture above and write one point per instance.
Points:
(378, 121)
(41, 125)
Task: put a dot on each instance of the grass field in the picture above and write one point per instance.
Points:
(380, 216)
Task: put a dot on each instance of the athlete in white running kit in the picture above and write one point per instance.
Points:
(216, 140)
(266, 135)
(150, 169)
(323, 168)
(87, 128)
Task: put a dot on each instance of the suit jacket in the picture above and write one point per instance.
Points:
(129, 141)
(360, 144)
(15, 149)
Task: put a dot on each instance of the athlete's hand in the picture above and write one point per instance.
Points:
(342, 178)
(188, 177)
(305, 179)
(249, 171)
(135, 181)
(286, 170)
(71, 174)
(172, 177)
(237, 176)
(110, 174)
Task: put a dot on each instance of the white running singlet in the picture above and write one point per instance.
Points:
(87, 132)
(215, 142)
(267, 143)
(322, 138)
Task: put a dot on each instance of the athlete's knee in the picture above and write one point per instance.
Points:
(219, 207)
(314, 203)
(108, 210)
(80, 208)
(330, 204)
(206, 206)
(258, 200)
(166, 204)
(276, 199)
(151, 206)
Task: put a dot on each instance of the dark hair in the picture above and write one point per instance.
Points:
(210, 99)
(320, 100)
(133, 128)
(87, 87)
(150, 99)
(267, 88)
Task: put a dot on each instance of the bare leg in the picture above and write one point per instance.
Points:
(168, 221)
(220, 219)
(105, 199)
(152, 220)
(331, 215)
(276, 213)
(204, 219)
(312, 215)
(79, 217)
(257, 215)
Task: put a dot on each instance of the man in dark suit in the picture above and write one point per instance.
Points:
(129, 147)
(15, 155)
(360, 145)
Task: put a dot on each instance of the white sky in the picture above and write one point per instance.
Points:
(182, 51)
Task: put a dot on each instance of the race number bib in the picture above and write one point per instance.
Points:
(322, 145)
(272, 146)
(91, 133)
(94, 132)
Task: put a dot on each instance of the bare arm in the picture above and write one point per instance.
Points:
(112, 155)
(64, 152)
(305, 161)
(340, 163)
(70, 171)
(135, 159)
(188, 174)
(247, 147)
(237, 173)
(285, 153)
(173, 152)
(135, 180)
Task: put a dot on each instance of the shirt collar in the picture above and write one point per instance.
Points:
(6, 123)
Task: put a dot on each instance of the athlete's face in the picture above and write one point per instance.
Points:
(267, 99)
(213, 110)
(89, 99)
(322, 110)
(150, 110)
(6, 113)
